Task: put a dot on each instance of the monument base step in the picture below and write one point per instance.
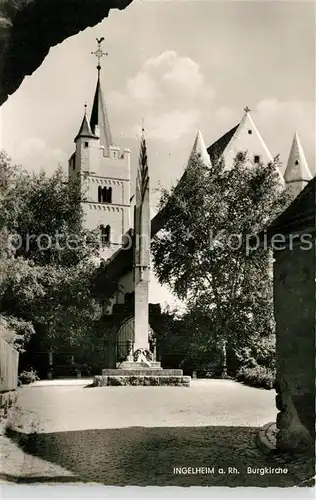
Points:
(137, 371)
(143, 380)
(132, 365)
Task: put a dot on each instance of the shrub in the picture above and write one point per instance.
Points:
(28, 376)
(16, 332)
(258, 376)
(260, 352)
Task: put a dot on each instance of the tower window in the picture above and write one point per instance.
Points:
(105, 234)
(296, 162)
(250, 131)
(104, 195)
(256, 159)
(109, 195)
(86, 144)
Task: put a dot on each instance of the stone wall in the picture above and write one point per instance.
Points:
(28, 28)
(294, 292)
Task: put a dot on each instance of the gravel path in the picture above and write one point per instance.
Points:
(138, 435)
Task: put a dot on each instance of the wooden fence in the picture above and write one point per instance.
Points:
(9, 362)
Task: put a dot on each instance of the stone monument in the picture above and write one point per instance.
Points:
(141, 366)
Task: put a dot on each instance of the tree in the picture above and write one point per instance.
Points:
(207, 253)
(51, 288)
(58, 303)
(16, 332)
(43, 216)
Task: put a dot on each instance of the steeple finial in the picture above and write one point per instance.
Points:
(99, 53)
(247, 109)
(99, 117)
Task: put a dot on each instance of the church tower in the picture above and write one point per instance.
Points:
(297, 173)
(104, 172)
(199, 149)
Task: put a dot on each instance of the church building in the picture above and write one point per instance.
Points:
(104, 174)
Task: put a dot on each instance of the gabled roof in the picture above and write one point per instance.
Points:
(99, 117)
(211, 155)
(297, 167)
(216, 149)
(85, 130)
(242, 134)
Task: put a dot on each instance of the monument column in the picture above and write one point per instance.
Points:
(140, 366)
(142, 250)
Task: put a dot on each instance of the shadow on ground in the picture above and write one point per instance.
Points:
(147, 456)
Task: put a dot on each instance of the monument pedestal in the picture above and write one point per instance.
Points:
(140, 373)
(140, 367)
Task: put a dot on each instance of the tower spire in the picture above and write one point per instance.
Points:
(199, 148)
(99, 120)
(85, 129)
(297, 173)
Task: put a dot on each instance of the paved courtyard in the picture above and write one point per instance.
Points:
(68, 432)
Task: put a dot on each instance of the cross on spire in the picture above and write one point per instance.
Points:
(99, 52)
(247, 109)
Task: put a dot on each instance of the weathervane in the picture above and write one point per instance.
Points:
(99, 52)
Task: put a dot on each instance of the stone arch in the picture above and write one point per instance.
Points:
(33, 27)
(125, 334)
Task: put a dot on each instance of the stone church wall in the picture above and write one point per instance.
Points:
(294, 291)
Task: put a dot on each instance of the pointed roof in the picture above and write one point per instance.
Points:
(85, 129)
(99, 116)
(243, 137)
(297, 168)
(199, 148)
(245, 126)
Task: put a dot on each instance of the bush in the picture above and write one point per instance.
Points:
(258, 376)
(260, 352)
(28, 376)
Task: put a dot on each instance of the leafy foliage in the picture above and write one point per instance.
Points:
(28, 376)
(17, 332)
(257, 376)
(45, 215)
(50, 289)
(206, 251)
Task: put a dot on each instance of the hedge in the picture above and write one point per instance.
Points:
(258, 376)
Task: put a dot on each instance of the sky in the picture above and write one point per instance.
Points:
(180, 66)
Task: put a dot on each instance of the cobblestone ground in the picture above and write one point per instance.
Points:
(138, 435)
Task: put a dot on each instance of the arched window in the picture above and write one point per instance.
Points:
(105, 195)
(99, 194)
(105, 234)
